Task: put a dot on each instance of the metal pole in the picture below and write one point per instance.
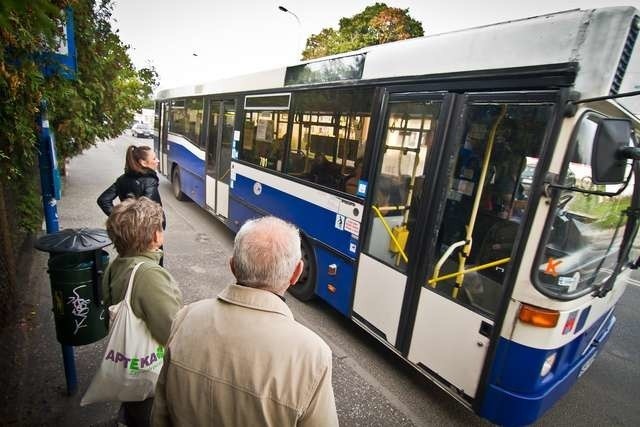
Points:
(46, 162)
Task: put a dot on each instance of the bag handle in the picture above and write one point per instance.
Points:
(127, 296)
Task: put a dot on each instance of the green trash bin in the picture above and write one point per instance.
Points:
(76, 264)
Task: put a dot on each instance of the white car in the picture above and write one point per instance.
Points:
(141, 130)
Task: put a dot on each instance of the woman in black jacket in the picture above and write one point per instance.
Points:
(139, 179)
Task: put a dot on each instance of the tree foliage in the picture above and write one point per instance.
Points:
(98, 103)
(376, 24)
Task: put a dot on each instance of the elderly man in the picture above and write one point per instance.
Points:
(241, 359)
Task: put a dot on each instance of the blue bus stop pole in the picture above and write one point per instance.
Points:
(48, 172)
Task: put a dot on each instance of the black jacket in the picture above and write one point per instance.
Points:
(130, 184)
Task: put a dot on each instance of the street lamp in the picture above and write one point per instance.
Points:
(285, 10)
(300, 41)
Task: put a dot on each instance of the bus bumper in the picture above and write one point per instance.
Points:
(503, 406)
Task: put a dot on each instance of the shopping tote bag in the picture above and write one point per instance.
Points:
(132, 361)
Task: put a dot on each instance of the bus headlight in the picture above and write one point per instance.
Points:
(548, 364)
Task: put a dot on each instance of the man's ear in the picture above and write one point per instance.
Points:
(296, 273)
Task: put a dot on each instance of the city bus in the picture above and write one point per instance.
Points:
(467, 198)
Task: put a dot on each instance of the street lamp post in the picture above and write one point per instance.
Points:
(300, 41)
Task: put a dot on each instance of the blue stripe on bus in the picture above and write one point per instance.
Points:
(317, 222)
(193, 172)
(516, 395)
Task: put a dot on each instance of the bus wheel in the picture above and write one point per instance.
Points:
(304, 289)
(176, 185)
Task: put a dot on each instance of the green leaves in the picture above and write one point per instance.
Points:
(99, 103)
(376, 24)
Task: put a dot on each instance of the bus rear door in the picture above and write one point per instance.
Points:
(219, 140)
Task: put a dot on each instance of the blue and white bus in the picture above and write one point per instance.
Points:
(466, 198)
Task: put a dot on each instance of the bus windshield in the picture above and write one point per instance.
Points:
(582, 247)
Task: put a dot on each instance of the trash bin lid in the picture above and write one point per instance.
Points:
(74, 240)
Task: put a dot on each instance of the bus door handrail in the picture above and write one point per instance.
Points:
(476, 202)
(443, 258)
(390, 233)
(435, 279)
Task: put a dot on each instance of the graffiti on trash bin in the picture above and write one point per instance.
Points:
(80, 309)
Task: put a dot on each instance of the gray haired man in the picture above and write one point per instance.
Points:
(241, 359)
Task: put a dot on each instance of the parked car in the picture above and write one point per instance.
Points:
(141, 130)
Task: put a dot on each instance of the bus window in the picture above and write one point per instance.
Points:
(329, 134)
(176, 117)
(214, 119)
(582, 246)
(264, 137)
(482, 217)
(186, 119)
(399, 180)
(227, 123)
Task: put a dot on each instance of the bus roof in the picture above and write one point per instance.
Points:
(594, 39)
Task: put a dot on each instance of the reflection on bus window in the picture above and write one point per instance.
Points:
(399, 181)
(329, 134)
(185, 119)
(582, 246)
(264, 137)
(487, 197)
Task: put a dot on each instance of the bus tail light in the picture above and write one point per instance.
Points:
(537, 316)
(548, 364)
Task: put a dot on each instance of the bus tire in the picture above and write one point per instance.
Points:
(176, 185)
(305, 288)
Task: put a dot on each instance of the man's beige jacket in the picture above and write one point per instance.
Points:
(242, 360)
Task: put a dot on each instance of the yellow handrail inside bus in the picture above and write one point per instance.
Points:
(433, 281)
(393, 238)
(462, 256)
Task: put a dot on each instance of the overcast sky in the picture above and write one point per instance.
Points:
(242, 36)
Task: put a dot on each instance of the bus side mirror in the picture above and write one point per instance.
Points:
(611, 149)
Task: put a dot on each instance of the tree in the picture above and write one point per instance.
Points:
(376, 24)
(99, 103)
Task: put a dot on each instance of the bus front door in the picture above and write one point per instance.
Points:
(219, 141)
(447, 205)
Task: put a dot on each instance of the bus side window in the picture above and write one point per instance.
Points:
(329, 134)
(264, 138)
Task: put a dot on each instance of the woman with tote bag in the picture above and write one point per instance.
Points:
(147, 294)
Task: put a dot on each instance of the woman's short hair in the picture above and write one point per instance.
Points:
(265, 253)
(132, 225)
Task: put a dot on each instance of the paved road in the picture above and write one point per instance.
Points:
(371, 386)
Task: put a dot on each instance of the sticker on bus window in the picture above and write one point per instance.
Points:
(362, 188)
(551, 267)
(339, 222)
(569, 284)
(234, 154)
(353, 246)
(236, 135)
